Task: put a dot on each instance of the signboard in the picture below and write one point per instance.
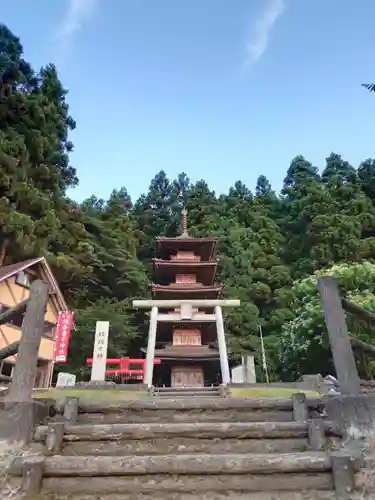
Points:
(100, 351)
(66, 380)
(63, 328)
(186, 278)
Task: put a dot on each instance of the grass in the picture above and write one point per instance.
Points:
(269, 392)
(91, 395)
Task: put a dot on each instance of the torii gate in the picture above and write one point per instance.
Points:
(185, 312)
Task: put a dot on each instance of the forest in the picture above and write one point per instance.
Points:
(272, 246)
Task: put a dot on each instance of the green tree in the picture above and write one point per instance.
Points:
(122, 339)
(304, 342)
(303, 199)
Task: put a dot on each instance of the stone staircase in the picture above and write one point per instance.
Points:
(187, 448)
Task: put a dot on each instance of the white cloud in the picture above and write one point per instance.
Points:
(259, 33)
(77, 13)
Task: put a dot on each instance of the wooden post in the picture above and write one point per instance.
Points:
(71, 407)
(317, 434)
(343, 475)
(342, 352)
(54, 437)
(100, 351)
(32, 476)
(149, 369)
(300, 409)
(24, 373)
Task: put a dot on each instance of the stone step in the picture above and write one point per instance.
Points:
(164, 446)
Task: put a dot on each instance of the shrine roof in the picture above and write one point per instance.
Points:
(166, 270)
(204, 246)
(191, 291)
(185, 263)
(186, 352)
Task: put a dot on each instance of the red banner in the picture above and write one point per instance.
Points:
(63, 328)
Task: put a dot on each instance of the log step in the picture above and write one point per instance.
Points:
(187, 394)
(219, 486)
(115, 432)
(94, 466)
(191, 404)
(212, 495)
(167, 416)
(162, 446)
(186, 389)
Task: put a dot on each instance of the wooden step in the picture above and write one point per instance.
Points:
(200, 430)
(191, 409)
(187, 394)
(163, 446)
(167, 416)
(181, 465)
(186, 389)
(211, 495)
(191, 486)
(280, 404)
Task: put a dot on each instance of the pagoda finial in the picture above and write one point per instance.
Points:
(184, 221)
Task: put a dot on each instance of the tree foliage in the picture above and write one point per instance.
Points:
(304, 345)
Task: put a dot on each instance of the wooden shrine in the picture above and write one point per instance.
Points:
(188, 334)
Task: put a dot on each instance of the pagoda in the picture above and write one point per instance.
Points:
(186, 336)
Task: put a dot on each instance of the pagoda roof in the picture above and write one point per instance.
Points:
(185, 353)
(189, 290)
(205, 271)
(187, 237)
(186, 262)
(204, 246)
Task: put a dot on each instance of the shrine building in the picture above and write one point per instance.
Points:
(184, 273)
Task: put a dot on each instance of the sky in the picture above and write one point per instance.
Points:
(223, 90)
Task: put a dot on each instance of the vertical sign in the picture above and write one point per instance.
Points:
(100, 351)
(64, 327)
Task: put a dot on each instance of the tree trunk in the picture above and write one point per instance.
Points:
(3, 252)
(24, 374)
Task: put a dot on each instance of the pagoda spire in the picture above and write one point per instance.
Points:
(184, 222)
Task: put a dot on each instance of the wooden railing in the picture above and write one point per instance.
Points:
(341, 341)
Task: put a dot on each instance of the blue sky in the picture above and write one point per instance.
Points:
(223, 90)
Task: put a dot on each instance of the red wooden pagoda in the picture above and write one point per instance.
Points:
(185, 268)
